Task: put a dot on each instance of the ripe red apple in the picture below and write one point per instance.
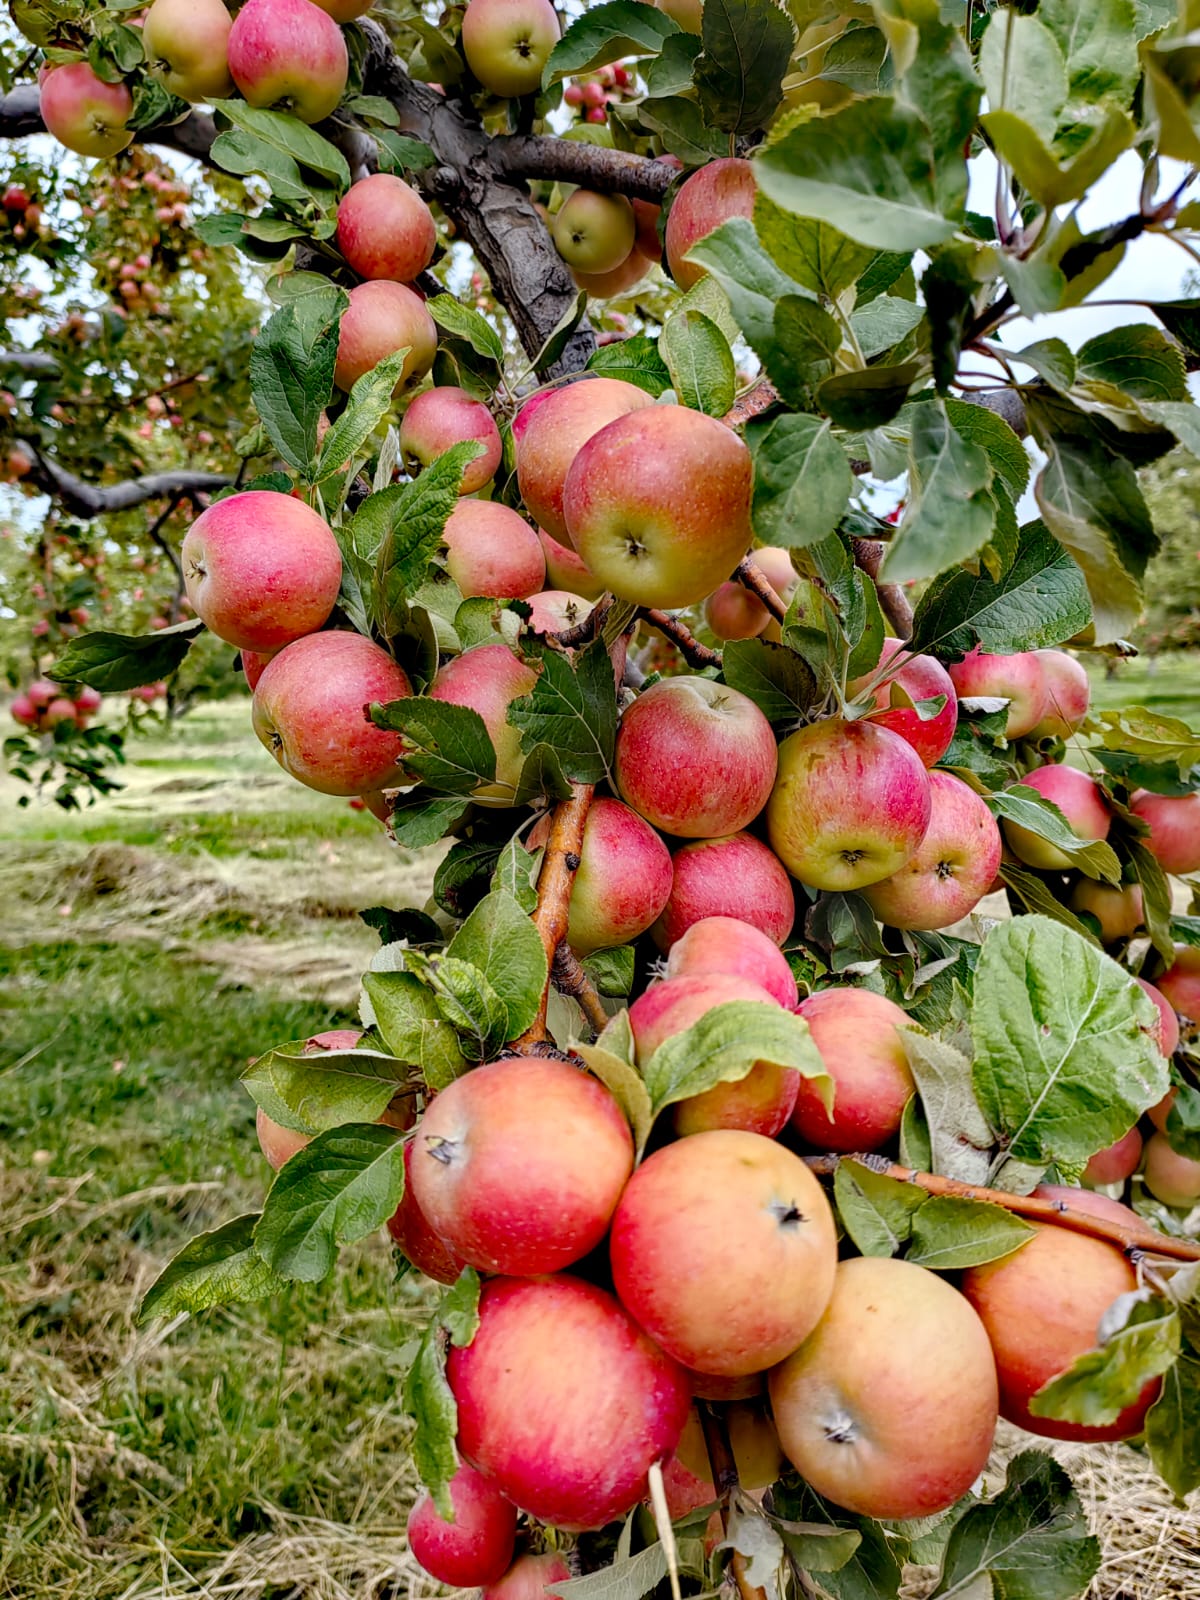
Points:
(382, 317)
(488, 679)
(1168, 1022)
(732, 877)
(277, 1143)
(507, 42)
(718, 191)
(477, 1547)
(59, 710)
(24, 711)
(1079, 799)
(1118, 910)
(733, 612)
(411, 1232)
(889, 1407)
(548, 433)
(723, 1248)
(518, 1165)
(528, 1577)
(618, 280)
(1174, 823)
(186, 43)
(954, 867)
(1068, 694)
(490, 550)
(253, 662)
(594, 232)
(1115, 1162)
(658, 505)
(563, 1401)
(556, 610)
(1180, 984)
(442, 417)
(1020, 679)
(385, 230)
(288, 54)
(88, 700)
(850, 806)
(83, 112)
(261, 569)
(566, 570)
(735, 949)
(855, 1031)
(623, 882)
(311, 711)
(921, 678)
(41, 691)
(688, 1475)
(1171, 1177)
(695, 758)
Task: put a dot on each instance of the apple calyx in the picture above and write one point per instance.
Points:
(443, 1150)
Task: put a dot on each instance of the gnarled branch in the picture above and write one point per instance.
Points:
(83, 499)
(529, 155)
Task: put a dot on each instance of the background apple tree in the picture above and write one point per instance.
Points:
(830, 316)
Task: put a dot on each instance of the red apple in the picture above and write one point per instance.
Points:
(253, 662)
(277, 1143)
(410, 1229)
(1020, 679)
(1174, 823)
(88, 700)
(855, 1031)
(528, 1577)
(83, 112)
(488, 679)
(385, 230)
(1117, 909)
(556, 610)
(507, 43)
(618, 280)
(1079, 799)
(477, 1547)
(1180, 985)
(442, 417)
(490, 550)
(623, 882)
(1171, 1177)
(288, 54)
(1116, 1162)
(735, 949)
(382, 317)
(732, 877)
(733, 612)
(24, 711)
(1168, 1022)
(719, 190)
(954, 867)
(1068, 694)
(566, 570)
(920, 678)
(549, 431)
(59, 710)
(41, 691)
(186, 43)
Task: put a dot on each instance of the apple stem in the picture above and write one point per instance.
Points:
(569, 978)
(751, 403)
(868, 557)
(752, 577)
(681, 636)
(1134, 1239)
(560, 863)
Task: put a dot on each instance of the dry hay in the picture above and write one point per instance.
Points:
(1151, 1546)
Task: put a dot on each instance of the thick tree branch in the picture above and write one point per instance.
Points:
(565, 160)
(83, 499)
(560, 863)
(30, 363)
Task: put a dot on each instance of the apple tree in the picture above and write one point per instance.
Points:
(762, 1173)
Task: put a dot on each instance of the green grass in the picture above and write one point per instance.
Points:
(1168, 685)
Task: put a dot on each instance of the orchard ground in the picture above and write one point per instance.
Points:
(149, 947)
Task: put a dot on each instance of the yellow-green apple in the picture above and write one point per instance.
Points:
(548, 433)
(618, 280)
(1168, 1022)
(732, 877)
(1020, 679)
(855, 1031)
(1116, 909)
(527, 1578)
(490, 550)
(695, 758)
(518, 1165)
(723, 1248)
(1180, 985)
(83, 112)
(1068, 694)
(688, 1475)
(889, 1406)
(761, 1102)
(1170, 1177)
(262, 569)
(623, 880)
(488, 679)
(1174, 823)
(733, 612)
(658, 505)
(290, 55)
(725, 945)
(383, 317)
(416, 1240)
(918, 678)
(566, 570)
(507, 42)
(385, 230)
(1116, 1162)
(563, 1401)
(311, 710)
(687, 13)
(1072, 1280)
(954, 867)
(718, 191)
(1079, 799)
(556, 610)
(850, 805)
(594, 232)
(477, 1547)
(442, 417)
(185, 43)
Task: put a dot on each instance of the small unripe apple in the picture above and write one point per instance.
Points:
(732, 877)
(855, 1032)
(288, 54)
(594, 232)
(1174, 823)
(1068, 694)
(445, 416)
(382, 317)
(1117, 909)
(186, 44)
(1020, 679)
(83, 112)
(487, 679)
(920, 678)
(490, 550)
(548, 433)
(477, 1547)
(725, 945)
(1079, 799)
(507, 43)
(953, 868)
(385, 229)
(718, 191)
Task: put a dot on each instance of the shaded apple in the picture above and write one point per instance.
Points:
(623, 881)
(411, 1232)
(733, 612)
(719, 190)
(736, 876)
(618, 280)
(594, 232)
(1180, 986)
(1168, 1022)
(556, 610)
(737, 950)
(855, 1031)
(488, 679)
(1020, 679)
(1116, 1162)
(1174, 823)
(919, 678)
(548, 433)
(688, 1475)
(1170, 1176)
(527, 1578)
(382, 318)
(953, 868)
(1068, 694)
(1079, 799)
(566, 570)
(1117, 909)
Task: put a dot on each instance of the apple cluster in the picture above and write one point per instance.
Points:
(43, 706)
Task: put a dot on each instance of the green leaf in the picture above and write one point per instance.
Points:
(1140, 361)
(1101, 1383)
(1031, 1539)
(1036, 166)
(115, 661)
(245, 153)
(723, 1046)
(950, 1234)
(611, 970)
(572, 709)
(884, 323)
(626, 1086)
(412, 1025)
(220, 1268)
(370, 399)
(309, 1089)
(1156, 897)
(516, 873)
(427, 1396)
(699, 361)
(627, 1579)
(739, 75)
(949, 515)
(421, 817)
(446, 745)
(499, 938)
(466, 323)
(291, 136)
(464, 875)
(680, 125)
(1023, 70)
(1052, 360)
(291, 371)
(1036, 895)
(635, 360)
(398, 153)
(876, 1211)
(1173, 1427)
(1138, 731)
(752, 281)
(407, 519)
(1023, 805)
(605, 33)
(780, 682)
(821, 259)
(670, 72)
(1065, 1058)
(466, 1000)
(806, 339)
(856, 1557)
(342, 1186)
(869, 398)
(1098, 44)
(960, 1138)
(991, 433)
(802, 479)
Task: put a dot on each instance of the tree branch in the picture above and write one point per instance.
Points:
(83, 499)
(868, 556)
(569, 978)
(681, 636)
(569, 161)
(30, 363)
(751, 576)
(559, 866)
(724, 1471)
(759, 397)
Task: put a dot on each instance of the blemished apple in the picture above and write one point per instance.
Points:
(1116, 1162)
(311, 711)
(737, 876)
(1169, 1176)
(735, 949)
(855, 1031)
(695, 758)
(262, 569)
(563, 1401)
(382, 318)
(186, 43)
(1079, 799)
(594, 232)
(385, 230)
(289, 55)
(1174, 823)
(733, 612)
(566, 570)
(626, 275)
(527, 1578)
(1072, 1279)
(1180, 985)
(1117, 909)
(1168, 1022)
(761, 1102)
(490, 550)
(688, 1475)
(507, 42)
(723, 1248)
(416, 1240)
(445, 416)
(850, 805)
(477, 1547)
(83, 112)
(889, 1407)
(1068, 694)
(488, 679)
(920, 678)
(556, 610)
(518, 1165)
(549, 431)
(1020, 679)
(658, 505)
(953, 868)
(623, 881)
(719, 190)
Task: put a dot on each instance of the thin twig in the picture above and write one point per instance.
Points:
(759, 397)
(868, 556)
(569, 978)
(681, 636)
(751, 575)
(560, 863)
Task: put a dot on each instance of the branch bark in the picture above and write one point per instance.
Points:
(751, 576)
(83, 499)
(569, 161)
(868, 556)
(559, 866)
(681, 636)
(569, 978)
